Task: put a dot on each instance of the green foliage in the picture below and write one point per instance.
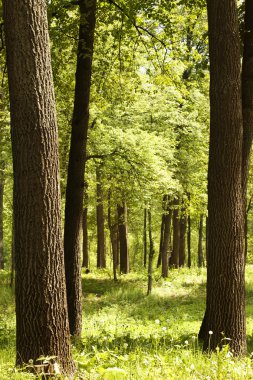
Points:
(127, 335)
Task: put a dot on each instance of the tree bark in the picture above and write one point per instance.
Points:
(145, 238)
(200, 241)
(159, 260)
(182, 236)
(247, 103)
(101, 258)
(113, 228)
(174, 259)
(225, 309)
(189, 258)
(76, 166)
(151, 253)
(41, 309)
(166, 243)
(85, 263)
(123, 241)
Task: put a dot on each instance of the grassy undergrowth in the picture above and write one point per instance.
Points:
(127, 335)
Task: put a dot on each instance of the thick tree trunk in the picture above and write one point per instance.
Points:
(1, 212)
(76, 167)
(151, 253)
(41, 310)
(174, 259)
(200, 241)
(247, 104)
(101, 257)
(182, 237)
(123, 241)
(225, 309)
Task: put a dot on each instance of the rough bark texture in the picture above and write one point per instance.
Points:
(247, 104)
(101, 260)
(247, 92)
(174, 259)
(123, 242)
(41, 308)
(200, 243)
(76, 167)
(225, 309)
(183, 228)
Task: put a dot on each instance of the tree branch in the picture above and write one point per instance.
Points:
(139, 28)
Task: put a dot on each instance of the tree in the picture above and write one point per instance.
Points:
(101, 249)
(200, 241)
(76, 167)
(225, 314)
(41, 310)
(123, 238)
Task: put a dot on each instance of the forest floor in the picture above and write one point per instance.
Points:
(128, 335)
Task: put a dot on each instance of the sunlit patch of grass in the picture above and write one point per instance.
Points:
(129, 335)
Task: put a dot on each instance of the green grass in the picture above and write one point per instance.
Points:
(127, 335)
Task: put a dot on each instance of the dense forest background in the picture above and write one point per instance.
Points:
(131, 82)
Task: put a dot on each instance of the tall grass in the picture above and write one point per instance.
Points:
(128, 335)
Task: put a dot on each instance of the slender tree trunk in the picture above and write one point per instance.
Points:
(113, 228)
(166, 243)
(159, 260)
(122, 225)
(85, 263)
(101, 258)
(151, 253)
(1, 212)
(225, 309)
(182, 236)
(189, 259)
(41, 310)
(76, 167)
(145, 238)
(200, 241)
(174, 259)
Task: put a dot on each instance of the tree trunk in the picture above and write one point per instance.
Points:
(247, 103)
(225, 309)
(166, 243)
(101, 259)
(123, 242)
(1, 212)
(189, 259)
(183, 227)
(174, 259)
(41, 311)
(200, 245)
(145, 238)
(85, 263)
(113, 228)
(151, 253)
(76, 166)
(159, 260)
